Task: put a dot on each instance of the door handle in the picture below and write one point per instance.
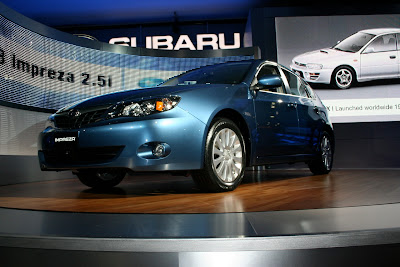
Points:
(392, 57)
(292, 105)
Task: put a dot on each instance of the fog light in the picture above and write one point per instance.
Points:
(313, 76)
(159, 151)
(154, 150)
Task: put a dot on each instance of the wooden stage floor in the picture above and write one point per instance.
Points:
(269, 190)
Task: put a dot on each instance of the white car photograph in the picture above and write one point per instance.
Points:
(364, 56)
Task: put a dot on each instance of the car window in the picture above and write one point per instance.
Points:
(267, 70)
(398, 41)
(354, 42)
(382, 44)
(310, 91)
(296, 86)
(303, 90)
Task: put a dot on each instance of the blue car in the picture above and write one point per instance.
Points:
(211, 123)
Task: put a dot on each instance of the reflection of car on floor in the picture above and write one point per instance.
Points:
(213, 121)
(366, 55)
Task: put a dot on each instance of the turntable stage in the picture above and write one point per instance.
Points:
(270, 190)
(274, 218)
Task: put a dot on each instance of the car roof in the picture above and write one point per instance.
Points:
(379, 31)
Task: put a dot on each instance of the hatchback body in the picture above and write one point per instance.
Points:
(211, 122)
(366, 55)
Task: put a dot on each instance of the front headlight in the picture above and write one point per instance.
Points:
(314, 66)
(144, 107)
(50, 122)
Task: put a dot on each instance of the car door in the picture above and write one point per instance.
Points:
(276, 119)
(309, 118)
(380, 59)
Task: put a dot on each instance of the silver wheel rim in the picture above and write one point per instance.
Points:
(344, 78)
(326, 152)
(227, 155)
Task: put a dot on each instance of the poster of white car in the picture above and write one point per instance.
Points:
(364, 56)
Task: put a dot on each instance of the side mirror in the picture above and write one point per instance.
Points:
(368, 50)
(270, 81)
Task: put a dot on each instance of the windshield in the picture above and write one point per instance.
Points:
(354, 42)
(230, 73)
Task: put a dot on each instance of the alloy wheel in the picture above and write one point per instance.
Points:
(344, 78)
(227, 155)
(326, 152)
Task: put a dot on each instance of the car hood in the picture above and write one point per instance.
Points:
(135, 95)
(322, 56)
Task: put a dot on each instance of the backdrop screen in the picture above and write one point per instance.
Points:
(309, 39)
(37, 71)
(40, 74)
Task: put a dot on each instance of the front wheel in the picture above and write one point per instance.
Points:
(322, 164)
(343, 78)
(225, 158)
(101, 179)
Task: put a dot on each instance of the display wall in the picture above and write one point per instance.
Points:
(23, 111)
(368, 140)
(42, 70)
(175, 35)
(366, 102)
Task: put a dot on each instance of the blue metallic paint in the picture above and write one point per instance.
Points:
(134, 134)
(280, 127)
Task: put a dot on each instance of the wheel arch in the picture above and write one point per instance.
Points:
(348, 66)
(241, 123)
(327, 128)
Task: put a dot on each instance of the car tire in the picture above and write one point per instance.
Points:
(343, 78)
(100, 179)
(323, 162)
(224, 158)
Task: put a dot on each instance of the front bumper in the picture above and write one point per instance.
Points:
(313, 76)
(126, 145)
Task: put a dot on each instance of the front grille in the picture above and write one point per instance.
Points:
(82, 155)
(65, 121)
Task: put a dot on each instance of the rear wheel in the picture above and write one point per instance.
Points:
(225, 158)
(101, 178)
(322, 164)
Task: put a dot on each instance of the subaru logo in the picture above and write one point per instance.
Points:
(74, 113)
